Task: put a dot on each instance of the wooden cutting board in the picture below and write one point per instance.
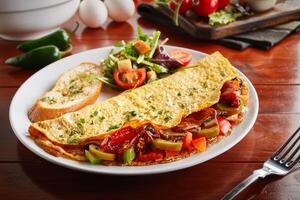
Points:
(284, 11)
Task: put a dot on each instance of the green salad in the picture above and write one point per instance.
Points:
(140, 61)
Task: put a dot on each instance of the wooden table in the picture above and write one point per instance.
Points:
(276, 77)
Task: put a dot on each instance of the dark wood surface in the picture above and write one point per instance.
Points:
(276, 77)
(283, 11)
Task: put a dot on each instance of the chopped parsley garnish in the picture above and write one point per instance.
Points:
(82, 120)
(112, 127)
(101, 118)
(130, 114)
(168, 117)
(94, 114)
(152, 107)
(80, 123)
(181, 105)
(49, 100)
(75, 89)
(73, 137)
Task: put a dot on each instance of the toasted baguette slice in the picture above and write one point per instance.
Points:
(74, 90)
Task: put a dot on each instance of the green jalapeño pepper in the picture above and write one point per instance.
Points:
(59, 38)
(128, 155)
(36, 58)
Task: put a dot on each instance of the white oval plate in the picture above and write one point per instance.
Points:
(44, 79)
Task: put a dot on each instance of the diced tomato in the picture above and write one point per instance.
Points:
(185, 5)
(206, 7)
(187, 140)
(200, 144)
(224, 125)
(181, 56)
(171, 153)
(130, 78)
(151, 156)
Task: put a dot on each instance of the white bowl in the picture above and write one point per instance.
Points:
(26, 20)
(261, 5)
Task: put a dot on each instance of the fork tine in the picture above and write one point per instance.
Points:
(291, 164)
(289, 150)
(275, 155)
(289, 160)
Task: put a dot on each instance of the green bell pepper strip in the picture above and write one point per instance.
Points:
(59, 38)
(209, 132)
(167, 145)
(91, 158)
(36, 58)
(128, 155)
(101, 154)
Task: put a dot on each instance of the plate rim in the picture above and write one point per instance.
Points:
(121, 170)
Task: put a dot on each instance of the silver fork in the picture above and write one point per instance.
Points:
(280, 163)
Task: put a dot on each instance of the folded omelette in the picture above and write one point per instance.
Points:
(163, 103)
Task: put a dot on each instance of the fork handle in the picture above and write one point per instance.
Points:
(260, 173)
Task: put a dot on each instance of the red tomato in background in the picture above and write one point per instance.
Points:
(206, 7)
(185, 5)
(223, 3)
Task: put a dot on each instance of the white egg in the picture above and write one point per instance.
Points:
(120, 10)
(93, 13)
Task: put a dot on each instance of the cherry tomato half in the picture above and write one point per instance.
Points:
(181, 56)
(206, 7)
(223, 3)
(185, 5)
(130, 78)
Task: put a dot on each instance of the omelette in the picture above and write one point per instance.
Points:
(165, 120)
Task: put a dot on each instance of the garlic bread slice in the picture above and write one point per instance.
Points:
(74, 90)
